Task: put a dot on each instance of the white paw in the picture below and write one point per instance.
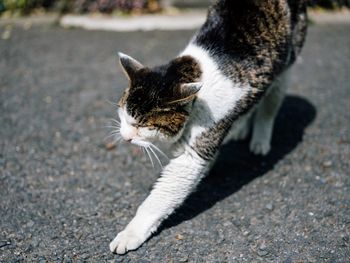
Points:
(260, 147)
(126, 240)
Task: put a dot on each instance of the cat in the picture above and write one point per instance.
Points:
(228, 81)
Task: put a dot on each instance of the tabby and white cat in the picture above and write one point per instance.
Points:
(229, 77)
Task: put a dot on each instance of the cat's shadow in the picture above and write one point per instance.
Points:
(236, 166)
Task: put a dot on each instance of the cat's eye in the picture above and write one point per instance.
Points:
(137, 125)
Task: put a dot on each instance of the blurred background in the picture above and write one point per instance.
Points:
(126, 6)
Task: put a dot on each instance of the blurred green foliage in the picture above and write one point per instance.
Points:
(329, 4)
(24, 7)
(79, 6)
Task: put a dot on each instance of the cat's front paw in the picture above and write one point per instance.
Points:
(260, 147)
(126, 240)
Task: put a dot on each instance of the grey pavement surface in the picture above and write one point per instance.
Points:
(64, 195)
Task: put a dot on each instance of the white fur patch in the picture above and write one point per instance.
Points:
(127, 131)
(218, 95)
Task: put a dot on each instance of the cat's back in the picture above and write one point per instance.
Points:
(254, 33)
(251, 22)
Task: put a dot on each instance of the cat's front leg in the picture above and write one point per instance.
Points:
(177, 181)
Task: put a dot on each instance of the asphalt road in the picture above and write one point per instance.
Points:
(64, 195)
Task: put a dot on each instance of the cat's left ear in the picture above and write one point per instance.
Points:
(129, 64)
(186, 93)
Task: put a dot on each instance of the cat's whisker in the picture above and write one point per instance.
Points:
(143, 150)
(112, 103)
(160, 151)
(149, 155)
(115, 125)
(112, 126)
(156, 156)
(108, 136)
(115, 121)
(117, 139)
(114, 134)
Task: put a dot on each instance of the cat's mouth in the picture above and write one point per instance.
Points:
(140, 142)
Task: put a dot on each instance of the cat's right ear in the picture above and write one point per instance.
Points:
(129, 64)
(186, 93)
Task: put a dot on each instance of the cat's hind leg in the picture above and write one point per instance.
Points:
(240, 128)
(265, 116)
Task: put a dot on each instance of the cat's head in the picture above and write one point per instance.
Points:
(158, 101)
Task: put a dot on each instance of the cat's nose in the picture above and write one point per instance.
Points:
(127, 138)
(128, 132)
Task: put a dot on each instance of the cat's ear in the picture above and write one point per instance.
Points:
(186, 93)
(190, 89)
(129, 64)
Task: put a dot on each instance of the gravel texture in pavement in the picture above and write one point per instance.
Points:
(65, 195)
